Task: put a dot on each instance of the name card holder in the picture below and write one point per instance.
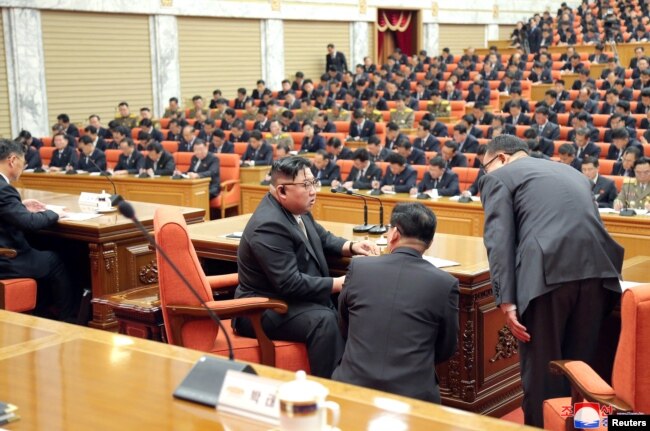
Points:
(88, 199)
(250, 396)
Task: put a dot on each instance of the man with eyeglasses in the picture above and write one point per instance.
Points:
(18, 216)
(408, 301)
(636, 194)
(281, 255)
(552, 263)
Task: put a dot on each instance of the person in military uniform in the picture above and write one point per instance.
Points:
(338, 114)
(636, 193)
(124, 116)
(402, 115)
(250, 111)
(173, 110)
(306, 111)
(372, 114)
(277, 137)
(222, 105)
(197, 101)
(438, 107)
(275, 110)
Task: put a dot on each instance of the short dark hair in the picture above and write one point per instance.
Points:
(507, 144)
(155, 146)
(452, 145)
(590, 160)
(396, 158)
(633, 150)
(91, 129)
(641, 161)
(8, 147)
(63, 117)
(256, 134)
(414, 220)
(146, 122)
(620, 133)
(361, 154)
(288, 167)
(334, 142)
(392, 126)
(85, 139)
(437, 161)
(567, 149)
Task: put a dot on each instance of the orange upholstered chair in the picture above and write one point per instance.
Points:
(630, 377)
(16, 294)
(230, 195)
(188, 324)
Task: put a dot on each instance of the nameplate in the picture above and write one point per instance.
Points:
(88, 199)
(250, 396)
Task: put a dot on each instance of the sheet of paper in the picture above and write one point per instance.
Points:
(607, 211)
(54, 207)
(627, 284)
(440, 263)
(234, 235)
(80, 216)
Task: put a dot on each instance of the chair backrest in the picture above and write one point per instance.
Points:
(240, 148)
(345, 167)
(170, 231)
(228, 166)
(112, 157)
(171, 146)
(46, 154)
(466, 177)
(183, 159)
(631, 375)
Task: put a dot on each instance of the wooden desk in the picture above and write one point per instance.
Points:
(65, 377)
(633, 233)
(537, 91)
(595, 70)
(161, 190)
(569, 79)
(353, 145)
(626, 51)
(561, 49)
(637, 269)
(117, 258)
(253, 174)
(483, 375)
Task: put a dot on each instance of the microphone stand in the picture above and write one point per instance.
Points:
(625, 211)
(115, 198)
(377, 229)
(365, 227)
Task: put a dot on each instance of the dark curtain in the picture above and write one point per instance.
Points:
(395, 30)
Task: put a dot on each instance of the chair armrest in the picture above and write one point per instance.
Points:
(223, 282)
(586, 384)
(227, 185)
(8, 253)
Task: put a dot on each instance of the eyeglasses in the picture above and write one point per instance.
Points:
(390, 226)
(485, 165)
(315, 183)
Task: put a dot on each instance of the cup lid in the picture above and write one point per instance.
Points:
(302, 389)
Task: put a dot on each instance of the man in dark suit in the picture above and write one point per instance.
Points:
(378, 299)
(625, 167)
(204, 164)
(445, 181)
(281, 255)
(376, 150)
(603, 189)
(311, 142)
(65, 154)
(130, 161)
(158, 161)
(466, 142)
(425, 141)
(400, 176)
(540, 272)
(336, 59)
(452, 157)
(621, 141)
(324, 169)
(585, 148)
(517, 118)
(18, 216)
(360, 128)
(547, 132)
(362, 173)
(258, 152)
(413, 156)
(567, 155)
(336, 150)
(219, 143)
(92, 159)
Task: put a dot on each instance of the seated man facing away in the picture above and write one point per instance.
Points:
(16, 217)
(281, 255)
(399, 313)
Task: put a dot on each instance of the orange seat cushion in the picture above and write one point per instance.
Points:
(20, 294)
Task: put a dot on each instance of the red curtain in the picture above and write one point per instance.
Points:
(396, 30)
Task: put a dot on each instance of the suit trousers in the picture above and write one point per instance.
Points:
(316, 325)
(563, 324)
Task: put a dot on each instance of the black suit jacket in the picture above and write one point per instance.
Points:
(132, 164)
(447, 184)
(61, 159)
(317, 143)
(400, 316)
(439, 129)
(613, 152)
(330, 173)
(96, 156)
(458, 161)
(15, 219)
(416, 157)
(591, 150)
(164, 166)
(364, 182)
(338, 62)
(470, 145)
(431, 144)
(209, 168)
(403, 181)
(33, 158)
(263, 157)
(550, 133)
(226, 147)
(275, 260)
(367, 130)
(604, 191)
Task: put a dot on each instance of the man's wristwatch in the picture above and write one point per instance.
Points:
(350, 246)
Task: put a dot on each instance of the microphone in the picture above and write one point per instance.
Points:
(377, 229)
(377, 191)
(625, 211)
(203, 383)
(115, 198)
(365, 227)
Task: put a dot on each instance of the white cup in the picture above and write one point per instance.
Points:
(303, 406)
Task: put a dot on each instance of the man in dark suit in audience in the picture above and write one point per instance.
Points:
(585, 148)
(425, 141)
(258, 152)
(362, 173)
(92, 159)
(311, 142)
(130, 161)
(625, 167)
(466, 142)
(517, 118)
(219, 143)
(18, 216)
(65, 154)
(439, 178)
(360, 128)
(281, 255)
(400, 177)
(547, 132)
(158, 161)
(603, 189)
(540, 272)
(336, 59)
(621, 141)
(204, 164)
(413, 156)
(452, 157)
(337, 150)
(376, 150)
(324, 169)
(567, 155)
(378, 299)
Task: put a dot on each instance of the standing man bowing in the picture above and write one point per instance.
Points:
(399, 313)
(17, 216)
(336, 59)
(552, 263)
(282, 255)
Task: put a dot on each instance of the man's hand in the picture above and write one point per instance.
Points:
(193, 175)
(337, 284)
(517, 329)
(33, 205)
(365, 248)
(60, 212)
